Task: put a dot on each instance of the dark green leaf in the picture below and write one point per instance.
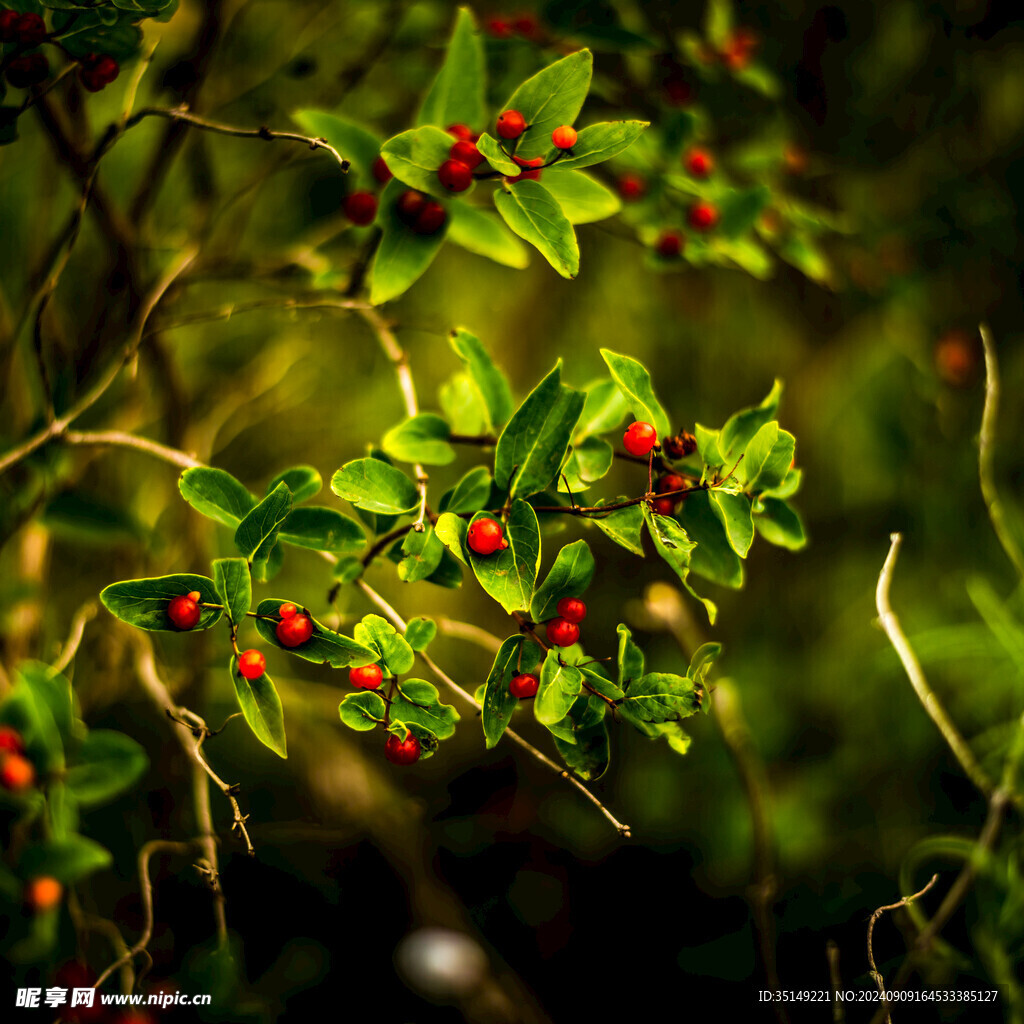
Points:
(677, 548)
(457, 95)
(303, 481)
(733, 512)
(631, 657)
(489, 380)
(740, 209)
(588, 757)
(362, 711)
(262, 709)
(660, 697)
(216, 494)
(470, 494)
(568, 577)
(509, 575)
(323, 529)
(448, 574)
(533, 213)
(560, 685)
(600, 142)
(143, 603)
(624, 525)
(376, 487)
(377, 633)
(498, 703)
(713, 557)
(106, 764)
(422, 555)
(420, 632)
(68, 860)
(481, 232)
(422, 438)
(767, 458)
(780, 524)
(418, 701)
(324, 647)
(257, 532)
(635, 382)
(234, 586)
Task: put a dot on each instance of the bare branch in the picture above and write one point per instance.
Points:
(78, 623)
(119, 439)
(467, 631)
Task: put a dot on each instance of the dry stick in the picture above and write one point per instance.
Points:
(58, 426)
(891, 625)
(400, 624)
(146, 891)
(875, 973)
(70, 648)
(119, 439)
(986, 445)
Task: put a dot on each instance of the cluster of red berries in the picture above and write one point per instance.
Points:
(564, 629)
(456, 173)
(396, 750)
(486, 536)
(525, 25)
(16, 771)
(97, 70)
(22, 29)
(666, 503)
(185, 610)
(295, 627)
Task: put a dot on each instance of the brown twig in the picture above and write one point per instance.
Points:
(78, 624)
(119, 439)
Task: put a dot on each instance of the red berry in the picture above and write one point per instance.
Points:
(31, 30)
(184, 610)
(286, 611)
(410, 205)
(511, 124)
(466, 152)
(564, 137)
(455, 176)
(529, 175)
(500, 28)
(16, 773)
(8, 23)
(366, 677)
(699, 163)
(361, 208)
(420, 213)
(663, 506)
(526, 25)
(252, 664)
(431, 219)
(11, 741)
(956, 357)
(462, 132)
(28, 70)
(670, 482)
(523, 686)
(486, 536)
(702, 216)
(402, 751)
(42, 894)
(381, 171)
(632, 186)
(572, 609)
(669, 245)
(97, 71)
(562, 633)
(294, 630)
(639, 438)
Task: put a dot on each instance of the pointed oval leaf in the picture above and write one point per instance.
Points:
(217, 494)
(106, 764)
(257, 532)
(568, 577)
(498, 704)
(262, 709)
(457, 95)
(324, 647)
(375, 486)
(303, 481)
(470, 494)
(733, 512)
(509, 576)
(489, 380)
(533, 213)
(322, 529)
(559, 687)
(234, 585)
(582, 199)
(635, 382)
(422, 554)
(143, 603)
(421, 438)
(480, 232)
(599, 142)
(496, 156)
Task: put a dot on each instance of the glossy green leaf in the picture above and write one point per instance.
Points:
(489, 380)
(568, 577)
(713, 557)
(355, 143)
(106, 764)
(375, 486)
(362, 711)
(257, 532)
(234, 585)
(496, 156)
(604, 409)
(533, 444)
(375, 632)
(743, 425)
(216, 494)
(624, 526)
(583, 199)
(708, 446)
(451, 531)
(498, 704)
(303, 481)
(560, 685)
(462, 405)
(630, 657)
(589, 755)
(780, 524)
(470, 494)
(420, 632)
(481, 232)
(324, 647)
(733, 512)
(414, 156)
(533, 213)
(322, 529)
(262, 709)
(422, 554)
(634, 380)
(589, 461)
(599, 142)
(417, 701)
(660, 697)
(422, 438)
(509, 575)
(675, 546)
(767, 458)
(457, 95)
(143, 603)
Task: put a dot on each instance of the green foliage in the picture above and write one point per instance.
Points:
(143, 603)
(262, 708)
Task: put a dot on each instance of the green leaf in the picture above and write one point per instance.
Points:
(143, 603)
(498, 704)
(324, 647)
(740, 209)
(377, 633)
(733, 512)
(216, 494)
(39, 707)
(68, 860)
(582, 199)
(422, 438)
(257, 532)
(362, 711)
(403, 255)
(533, 444)
(560, 685)
(600, 142)
(743, 425)
(568, 577)
(357, 144)
(451, 531)
(676, 548)
(303, 481)
(588, 462)
(630, 658)
(780, 524)
(262, 709)
(533, 213)
(462, 405)
(448, 574)
(418, 702)
(509, 575)
(106, 764)
(428, 741)
(624, 525)
(708, 446)
(634, 380)
(674, 735)
(457, 95)
(589, 755)
(234, 585)
(414, 157)
(322, 529)
(604, 409)
(552, 97)
(713, 557)
(604, 686)
(496, 156)
(489, 380)
(422, 555)
(767, 458)
(92, 33)
(470, 494)
(375, 486)
(702, 660)
(481, 232)
(348, 570)
(420, 632)
(660, 697)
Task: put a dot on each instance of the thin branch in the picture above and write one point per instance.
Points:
(233, 309)
(875, 974)
(986, 448)
(468, 632)
(891, 625)
(400, 624)
(96, 392)
(78, 623)
(119, 439)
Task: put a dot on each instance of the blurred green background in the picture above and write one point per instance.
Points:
(911, 115)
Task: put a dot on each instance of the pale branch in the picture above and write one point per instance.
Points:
(986, 451)
(71, 645)
(226, 312)
(120, 439)
(184, 116)
(890, 623)
(146, 893)
(875, 974)
(59, 426)
(468, 632)
(399, 623)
